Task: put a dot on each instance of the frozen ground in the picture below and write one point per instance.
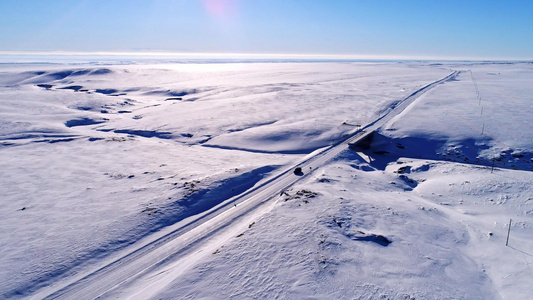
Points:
(95, 158)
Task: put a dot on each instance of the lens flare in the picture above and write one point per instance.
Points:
(220, 8)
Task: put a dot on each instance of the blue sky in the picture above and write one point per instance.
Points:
(441, 29)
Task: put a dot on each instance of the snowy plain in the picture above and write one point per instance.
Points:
(96, 158)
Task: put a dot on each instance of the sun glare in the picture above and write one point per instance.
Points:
(220, 8)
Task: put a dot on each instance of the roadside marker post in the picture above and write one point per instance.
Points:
(508, 232)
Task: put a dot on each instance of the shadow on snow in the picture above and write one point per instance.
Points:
(384, 150)
(195, 203)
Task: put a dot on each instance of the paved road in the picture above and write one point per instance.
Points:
(180, 242)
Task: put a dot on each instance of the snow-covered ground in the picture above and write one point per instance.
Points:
(96, 158)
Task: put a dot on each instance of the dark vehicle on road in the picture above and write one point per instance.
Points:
(298, 171)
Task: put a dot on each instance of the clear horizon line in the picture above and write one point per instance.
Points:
(221, 55)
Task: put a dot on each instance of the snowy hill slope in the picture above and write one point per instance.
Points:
(98, 158)
(353, 231)
(426, 217)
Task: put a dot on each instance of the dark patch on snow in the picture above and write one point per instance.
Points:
(344, 225)
(173, 94)
(83, 122)
(53, 141)
(374, 238)
(45, 86)
(116, 139)
(106, 91)
(303, 195)
(150, 210)
(404, 169)
(409, 182)
(146, 133)
(205, 138)
(75, 88)
(174, 99)
(124, 111)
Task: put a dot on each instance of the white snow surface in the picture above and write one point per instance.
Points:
(95, 159)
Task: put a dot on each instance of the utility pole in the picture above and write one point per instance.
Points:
(508, 232)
